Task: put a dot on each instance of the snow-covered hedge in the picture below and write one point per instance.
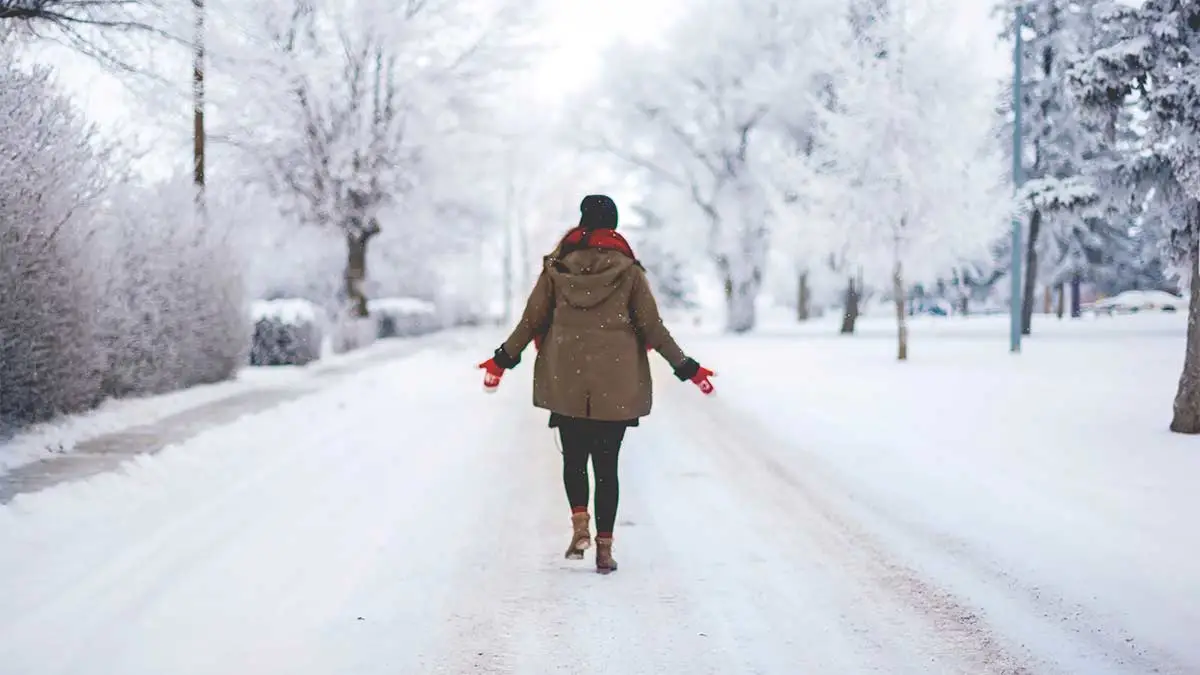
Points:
(104, 291)
(48, 175)
(287, 332)
(175, 310)
(404, 317)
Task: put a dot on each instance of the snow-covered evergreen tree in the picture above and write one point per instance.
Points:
(1150, 53)
(1068, 217)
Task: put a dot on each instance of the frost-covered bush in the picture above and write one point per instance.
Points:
(104, 291)
(287, 332)
(174, 314)
(49, 180)
(404, 317)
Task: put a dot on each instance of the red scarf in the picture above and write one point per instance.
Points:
(610, 240)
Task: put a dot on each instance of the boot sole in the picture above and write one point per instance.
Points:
(576, 550)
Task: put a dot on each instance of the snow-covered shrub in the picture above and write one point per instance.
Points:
(49, 179)
(404, 317)
(287, 332)
(104, 290)
(174, 313)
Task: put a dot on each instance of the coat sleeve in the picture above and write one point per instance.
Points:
(649, 325)
(535, 321)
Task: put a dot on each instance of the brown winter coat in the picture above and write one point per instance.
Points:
(598, 316)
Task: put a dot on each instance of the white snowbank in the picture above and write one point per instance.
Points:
(1142, 300)
(287, 310)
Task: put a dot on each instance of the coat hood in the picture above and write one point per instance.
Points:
(588, 276)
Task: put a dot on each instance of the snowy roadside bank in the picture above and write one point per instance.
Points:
(119, 428)
(1050, 474)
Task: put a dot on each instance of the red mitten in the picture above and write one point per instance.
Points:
(491, 376)
(700, 379)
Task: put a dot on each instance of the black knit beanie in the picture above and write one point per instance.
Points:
(598, 212)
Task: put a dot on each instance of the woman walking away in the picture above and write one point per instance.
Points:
(593, 319)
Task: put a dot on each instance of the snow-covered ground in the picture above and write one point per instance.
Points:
(830, 511)
(61, 436)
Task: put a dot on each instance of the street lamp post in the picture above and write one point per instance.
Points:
(1015, 303)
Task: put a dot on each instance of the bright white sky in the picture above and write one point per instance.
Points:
(577, 30)
(580, 30)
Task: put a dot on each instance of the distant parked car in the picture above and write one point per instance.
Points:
(1132, 302)
(404, 317)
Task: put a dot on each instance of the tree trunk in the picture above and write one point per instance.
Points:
(1035, 224)
(802, 298)
(1076, 282)
(740, 296)
(1187, 399)
(901, 318)
(356, 274)
(850, 308)
(198, 136)
(1047, 300)
(1060, 299)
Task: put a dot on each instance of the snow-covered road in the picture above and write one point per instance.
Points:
(403, 522)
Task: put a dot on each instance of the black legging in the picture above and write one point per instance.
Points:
(602, 442)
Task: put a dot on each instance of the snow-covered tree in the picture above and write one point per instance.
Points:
(369, 92)
(1150, 53)
(86, 25)
(906, 177)
(689, 113)
(664, 265)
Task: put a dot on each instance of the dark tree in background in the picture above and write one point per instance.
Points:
(95, 28)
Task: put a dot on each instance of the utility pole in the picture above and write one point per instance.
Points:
(1018, 179)
(198, 138)
(508, 248)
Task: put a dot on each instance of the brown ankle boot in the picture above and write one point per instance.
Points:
(581, 536)
(604, 559)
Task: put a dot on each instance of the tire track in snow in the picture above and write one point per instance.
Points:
(953, 631)
(492, 564)
(526, 608)
(772, 601)
(640, 619)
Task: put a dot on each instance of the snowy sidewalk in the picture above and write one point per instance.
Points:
(177, 417)
(401, 521)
